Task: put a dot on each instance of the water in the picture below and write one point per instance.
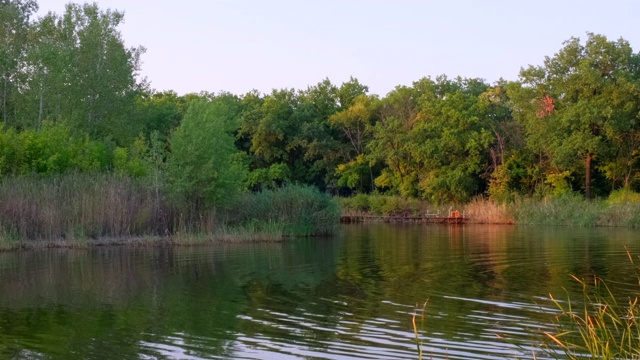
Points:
(349, 297)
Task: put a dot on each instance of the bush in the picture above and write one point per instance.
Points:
(377, 204)
(52, 150)
(298, 210)
(624, 195)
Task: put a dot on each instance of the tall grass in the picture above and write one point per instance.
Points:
(573, 209)
(294, 210)
(598, 326)
(79, 207)
(483, 211)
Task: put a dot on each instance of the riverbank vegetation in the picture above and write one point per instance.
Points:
(73, 106)
(79, 209)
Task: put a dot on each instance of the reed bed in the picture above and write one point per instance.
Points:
(483, 211)
(292, 210)
(574, 210)
(622, 208)
(80, 208)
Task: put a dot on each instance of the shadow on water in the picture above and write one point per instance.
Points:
(348, 297)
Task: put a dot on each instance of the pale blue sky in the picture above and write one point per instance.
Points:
(242, 45)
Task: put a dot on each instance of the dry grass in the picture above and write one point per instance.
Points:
(80, 206)
(76, 210)
(483, 211)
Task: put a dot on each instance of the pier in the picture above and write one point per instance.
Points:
(348, 219)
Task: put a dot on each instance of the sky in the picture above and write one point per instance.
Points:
(241, 45)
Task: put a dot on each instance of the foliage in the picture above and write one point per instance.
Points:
(297, 210)
(71, 100)
(52, 150)
(507, 180)
(582, 107)
(623, 196)
(356, 123)
(205, 168)
(378, 204)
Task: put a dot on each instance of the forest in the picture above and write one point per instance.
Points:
(72, 101)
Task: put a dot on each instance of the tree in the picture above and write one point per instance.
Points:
(79, 71)
(204, 167)
(14, 26)
(160, 112)
(580, 101)
(356, 123)
(392, 141)
(451, 139)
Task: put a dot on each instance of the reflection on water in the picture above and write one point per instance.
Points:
(349, 297)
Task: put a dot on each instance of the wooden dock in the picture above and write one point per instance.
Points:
(348, 219)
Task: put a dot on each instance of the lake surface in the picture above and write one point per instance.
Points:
(348, 297)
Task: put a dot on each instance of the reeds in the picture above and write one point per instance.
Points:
(598, 326)
(79, 206)
(418, 330)
(483, 211)
(75, 208)
(574, 210)
(293, 210)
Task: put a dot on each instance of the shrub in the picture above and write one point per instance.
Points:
(301, 210)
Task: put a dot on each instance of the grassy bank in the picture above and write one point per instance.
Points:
(79, 209)
(622, 208)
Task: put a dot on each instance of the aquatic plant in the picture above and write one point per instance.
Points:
(417, 330)
(574, 210)
(600, 325)
(77, 207)
(295, 210)
(483, 211)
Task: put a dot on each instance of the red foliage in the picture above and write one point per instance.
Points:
(546, 106)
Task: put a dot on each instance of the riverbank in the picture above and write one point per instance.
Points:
(143, 241)
(621, 209)
(76, 210)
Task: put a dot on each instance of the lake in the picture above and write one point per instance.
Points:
(352, 296)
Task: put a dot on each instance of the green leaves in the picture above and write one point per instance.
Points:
(434, 139)
(594, 96)
(204, 167)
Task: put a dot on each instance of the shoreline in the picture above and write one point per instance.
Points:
(140, 241)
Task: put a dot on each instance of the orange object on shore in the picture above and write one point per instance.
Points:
(455, 214)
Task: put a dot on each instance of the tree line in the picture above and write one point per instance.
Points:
(71, 99)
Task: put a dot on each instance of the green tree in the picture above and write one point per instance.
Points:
(579, 102)
(392, 141)
(160, 112)
(451, 139)
(81, 72)
(14, 28)
(356, 124)
(204, 167)
(269, 129)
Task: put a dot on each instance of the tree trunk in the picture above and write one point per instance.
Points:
(371, 177)
(40, 110)
(588, 177)
(4, 102)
